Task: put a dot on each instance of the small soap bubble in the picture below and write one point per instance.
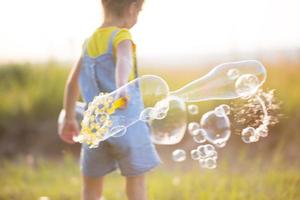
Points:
(179, 155)
(248, 135)
(214, 155)
(209, 148)
(233, 74)
(192, 126)
(162, 106)
(147, 114)
(206, 150)
(219, 111)
(199, 135)
(246, 85)
(159, 115)
(118, 131)
(262, 131)
(202, 163)
(202, 151)
(193, 109)
(226, 108)
(195, 154)
(210, 163)
(161, 109)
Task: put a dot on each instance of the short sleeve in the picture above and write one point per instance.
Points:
(122, 35)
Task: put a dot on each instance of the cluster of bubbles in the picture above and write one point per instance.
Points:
(205, 154)
(214, 126)
(150, 100)
(158, 112)
(258, 112)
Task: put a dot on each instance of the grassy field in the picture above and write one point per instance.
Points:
(31, 98)
(28, 180)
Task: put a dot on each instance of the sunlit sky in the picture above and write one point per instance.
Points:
(37, 30)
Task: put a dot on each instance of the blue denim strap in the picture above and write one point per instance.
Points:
(111, 41)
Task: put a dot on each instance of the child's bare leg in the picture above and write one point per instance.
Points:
(136, 188)
(92, 188)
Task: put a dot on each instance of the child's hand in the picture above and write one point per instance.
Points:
(122, 99)
(68, 129)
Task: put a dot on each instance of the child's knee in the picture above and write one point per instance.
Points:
(92, 188)
(136, 179)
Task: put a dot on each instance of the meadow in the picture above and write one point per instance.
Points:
(34, 163)
(42, 179)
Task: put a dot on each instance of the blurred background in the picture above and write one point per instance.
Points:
(177, 40)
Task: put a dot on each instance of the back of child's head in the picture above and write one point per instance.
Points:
(118, 7)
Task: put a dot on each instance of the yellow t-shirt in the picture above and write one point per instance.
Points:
(98, 43)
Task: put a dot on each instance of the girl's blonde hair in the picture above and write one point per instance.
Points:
(117, 7)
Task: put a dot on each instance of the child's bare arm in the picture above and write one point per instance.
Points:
(72, 91)
(69, 126)
(124, 62)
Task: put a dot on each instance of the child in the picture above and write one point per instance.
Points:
(108, 62)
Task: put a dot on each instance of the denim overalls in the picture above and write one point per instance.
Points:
(133, 153)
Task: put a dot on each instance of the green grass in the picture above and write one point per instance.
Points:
(61, 180)
(32, 94)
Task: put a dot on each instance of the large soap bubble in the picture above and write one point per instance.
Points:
(217, 127)
(220, 82)
(171, 129)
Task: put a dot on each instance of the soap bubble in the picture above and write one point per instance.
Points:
(209, 148)
(192, 126)
(147, 114)
(233, 74)
(118, 131)
(195, 154)
(159, 115)
(217, 128)
(222, 110)
(210, 163)
(179, 155)
(199, 135)
(193, 109)
(206, 150)
(161, 109)
(217, 85)
(248, 135)
(247, 85)
(259, 111)
(202, 162)
(171, 129)
(214, 155)
(262, 131)
(226, 108)
(207, 156)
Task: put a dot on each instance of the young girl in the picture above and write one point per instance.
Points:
(108, 62)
